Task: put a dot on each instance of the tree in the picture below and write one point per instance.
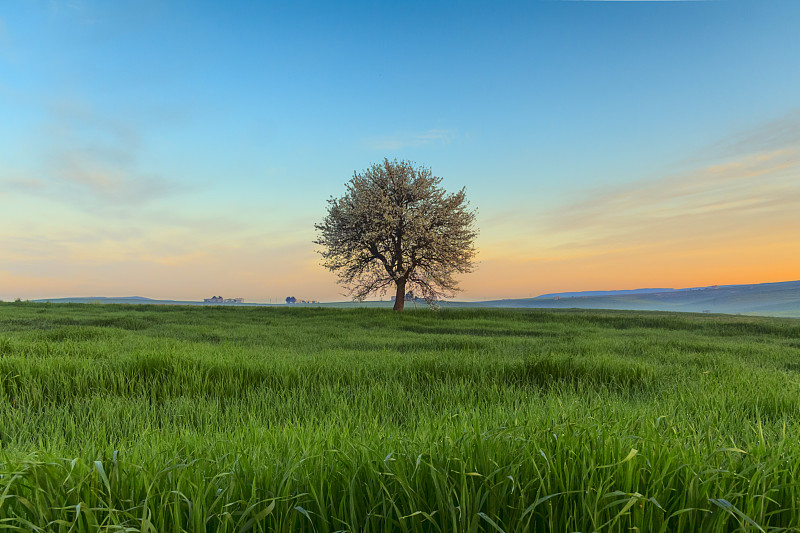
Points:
(396, 226)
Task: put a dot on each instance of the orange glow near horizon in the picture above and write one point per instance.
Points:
(493, 279)
(725, 222)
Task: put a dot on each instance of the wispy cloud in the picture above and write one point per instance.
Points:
(740, 191)
(405, 140)
(726, 220)
(91, 159)
(753, 195)
(783, 132)
(162, 260)
(748, 188)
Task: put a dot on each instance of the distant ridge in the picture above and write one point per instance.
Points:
(109, 300)
(132, 300)
(115, 298)
(581, 294)
(768, 299)
(780, 299)
(98, 298)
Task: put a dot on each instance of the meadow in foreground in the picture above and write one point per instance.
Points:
(151, 418)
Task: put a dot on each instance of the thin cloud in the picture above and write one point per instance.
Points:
(91, 160)
(739, 193)
(755, 196)
(778, 134)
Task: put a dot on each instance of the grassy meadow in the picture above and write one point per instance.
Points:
(169, 418)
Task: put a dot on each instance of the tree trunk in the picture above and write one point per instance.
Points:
(400, 298)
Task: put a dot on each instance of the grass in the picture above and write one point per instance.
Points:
(161, 418)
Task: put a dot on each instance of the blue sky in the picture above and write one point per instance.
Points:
(174, 149)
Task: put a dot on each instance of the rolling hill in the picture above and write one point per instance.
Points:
(768, 299)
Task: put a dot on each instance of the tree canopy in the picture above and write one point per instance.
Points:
(396, 228)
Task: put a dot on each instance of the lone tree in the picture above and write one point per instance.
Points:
(395, 225)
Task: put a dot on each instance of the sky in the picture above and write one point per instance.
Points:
(184, 149)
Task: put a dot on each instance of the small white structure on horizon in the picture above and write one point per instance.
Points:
(221, 300)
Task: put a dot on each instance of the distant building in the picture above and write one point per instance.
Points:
(410, 297)
(221, 300)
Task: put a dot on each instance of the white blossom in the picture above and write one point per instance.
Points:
(396, 226)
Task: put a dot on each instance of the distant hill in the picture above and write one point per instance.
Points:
(773, 299)
(769, 299)
(132, 300)
(112, 300)
(98, 299)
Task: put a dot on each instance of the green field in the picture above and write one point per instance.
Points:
(162, 418)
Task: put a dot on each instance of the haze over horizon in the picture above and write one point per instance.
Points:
(181, 150)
